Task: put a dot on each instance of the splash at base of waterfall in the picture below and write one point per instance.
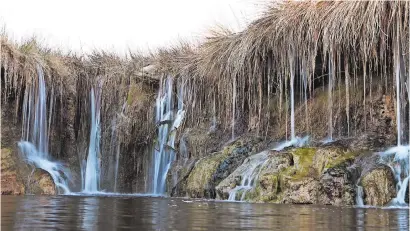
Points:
(57, 171)
(295, 142)
(397, 158)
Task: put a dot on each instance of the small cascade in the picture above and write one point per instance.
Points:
(34, 143)
(397, 158)
(249, 177)
(359, 196)
(92, 170)
(168, 122)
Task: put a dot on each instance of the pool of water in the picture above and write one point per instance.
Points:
(114, 212)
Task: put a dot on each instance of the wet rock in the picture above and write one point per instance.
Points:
(244, 148)
(337, 186)
(11, 182)
(41, 183)
(271, 176)
(329, 157)
(200, 182)
(234, 179)
(378, 186)
(177, 177)
(303, 191)
(210, 170)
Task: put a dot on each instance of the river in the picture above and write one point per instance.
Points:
(117, 212)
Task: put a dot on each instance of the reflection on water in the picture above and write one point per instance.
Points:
(156, 213)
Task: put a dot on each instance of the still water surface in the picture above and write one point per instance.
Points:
(157, 213)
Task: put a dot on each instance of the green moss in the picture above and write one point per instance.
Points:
(341, 159)
(303, 158)
(201, 175)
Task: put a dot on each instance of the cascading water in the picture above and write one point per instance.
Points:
(397, 158)
(249, 176)
(34, 143)
(164, 151)
(400, 153)
(295, 140)
(92, 170)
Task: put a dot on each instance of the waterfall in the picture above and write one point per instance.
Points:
(92, 171)
(168, 122)
(398, 156)
(34, 143)
(359, 196)
(295, 140)
(292, 97)
(249, 176)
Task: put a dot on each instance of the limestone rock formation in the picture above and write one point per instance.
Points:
(198, 178)
(378, 186)
(18, 178)
(11, 183)
(41, 183)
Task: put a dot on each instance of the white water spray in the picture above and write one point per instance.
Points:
(34, 143)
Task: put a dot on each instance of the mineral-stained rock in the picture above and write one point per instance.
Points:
(302, 191)
(378, 186)
(11, 183)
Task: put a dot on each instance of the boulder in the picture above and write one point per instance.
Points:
(337, 186)
(378, 186)
(254, 162)
(19, 178)
(200, 182)
(41, 183)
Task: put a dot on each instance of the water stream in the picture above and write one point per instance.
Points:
(397, 158)
(92, 170)
(168, 122)
(35, 138)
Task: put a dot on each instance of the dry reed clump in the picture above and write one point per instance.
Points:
(239, 76)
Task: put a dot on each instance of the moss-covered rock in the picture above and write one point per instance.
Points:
(328, 157)
(209, 171)
(177, 177)
(200, 181)
(378, 186)
(253, 163)
(11, 183)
